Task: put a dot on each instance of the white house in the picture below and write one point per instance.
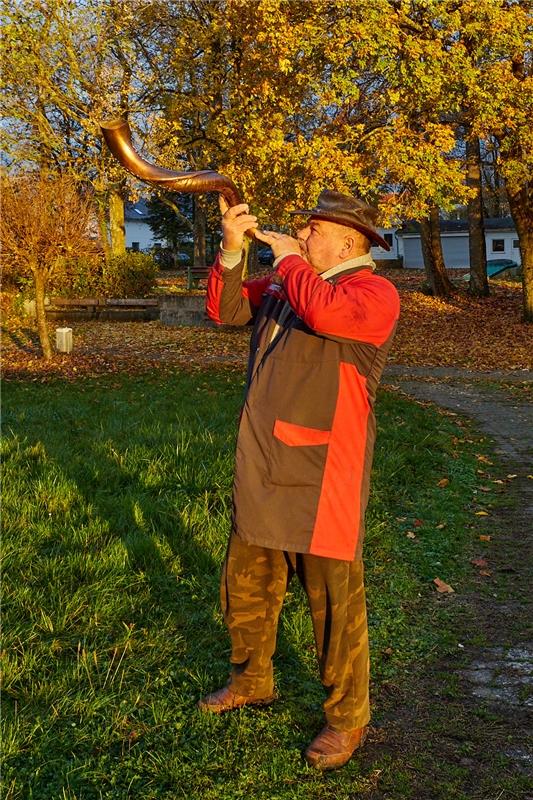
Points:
(139, 235)
(501, 241)
(396, 245)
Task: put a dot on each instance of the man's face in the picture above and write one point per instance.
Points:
(321, 243)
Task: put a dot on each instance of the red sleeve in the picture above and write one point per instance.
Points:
(361, 306)
(231, 300)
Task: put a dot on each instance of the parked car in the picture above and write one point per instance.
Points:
(265, 256)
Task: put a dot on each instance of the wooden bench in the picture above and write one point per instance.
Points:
(195, 275)
(98, 302)
(86, 308)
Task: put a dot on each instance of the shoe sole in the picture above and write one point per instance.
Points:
(222, 709)
(323, 762)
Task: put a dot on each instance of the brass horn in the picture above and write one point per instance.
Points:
(117, 135)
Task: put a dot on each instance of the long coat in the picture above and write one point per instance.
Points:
(307, 429)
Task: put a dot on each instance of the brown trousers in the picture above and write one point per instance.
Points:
(253, 586)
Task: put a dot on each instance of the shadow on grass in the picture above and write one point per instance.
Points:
(29, 344)
(173, 552)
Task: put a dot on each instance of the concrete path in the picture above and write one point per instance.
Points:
(501, 673)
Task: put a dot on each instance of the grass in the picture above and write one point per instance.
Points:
(116, 516)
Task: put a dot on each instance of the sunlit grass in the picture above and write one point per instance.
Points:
(116, 512)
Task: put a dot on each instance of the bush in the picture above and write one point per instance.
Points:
(129, 275)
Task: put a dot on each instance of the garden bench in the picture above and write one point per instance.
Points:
(195, 275)
(85, 308)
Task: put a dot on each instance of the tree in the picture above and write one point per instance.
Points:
(44, 221)
(485, 58)
(66, 67)
(169, 218)
(478, 282)
(503, 96)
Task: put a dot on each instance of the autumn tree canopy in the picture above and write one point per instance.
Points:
(378, 97)
(44, 222)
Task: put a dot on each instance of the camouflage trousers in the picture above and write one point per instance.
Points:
(253, 586)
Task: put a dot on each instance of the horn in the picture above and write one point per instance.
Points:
(117, 135)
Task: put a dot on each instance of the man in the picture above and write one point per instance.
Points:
(323, 324)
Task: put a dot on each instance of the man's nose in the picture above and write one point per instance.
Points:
(303, 233)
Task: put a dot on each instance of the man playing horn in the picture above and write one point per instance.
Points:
(323, 324)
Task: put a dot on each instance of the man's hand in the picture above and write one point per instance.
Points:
(281, 244)
(235, 222)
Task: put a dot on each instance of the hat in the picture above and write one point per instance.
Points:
(351, 211)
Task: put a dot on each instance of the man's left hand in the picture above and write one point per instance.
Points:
(281, 244)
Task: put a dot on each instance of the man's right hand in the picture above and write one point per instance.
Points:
(235, 222)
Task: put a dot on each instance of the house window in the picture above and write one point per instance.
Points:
(498, 245)
(135, 247)
(388, 238)
(516, 244)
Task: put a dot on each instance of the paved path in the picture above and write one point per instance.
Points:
(501, 673)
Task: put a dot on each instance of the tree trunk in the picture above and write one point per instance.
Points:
(116, 223)
(40, 313)
(199, 233)
(521, 205)
(479, 285)
(252, 261)
(102, 228)
(437, 277)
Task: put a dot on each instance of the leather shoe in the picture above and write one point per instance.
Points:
(332, 748)
(226, 699)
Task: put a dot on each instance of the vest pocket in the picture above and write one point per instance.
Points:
(298, 435)
(297, 454)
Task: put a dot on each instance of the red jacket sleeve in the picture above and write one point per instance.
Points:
(231, 300)
(362, 306)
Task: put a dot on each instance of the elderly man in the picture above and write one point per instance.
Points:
(323, 324)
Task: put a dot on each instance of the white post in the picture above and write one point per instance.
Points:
(64, 340)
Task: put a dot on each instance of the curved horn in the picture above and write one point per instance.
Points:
(117, 134)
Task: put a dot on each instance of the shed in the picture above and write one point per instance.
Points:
(501, 241)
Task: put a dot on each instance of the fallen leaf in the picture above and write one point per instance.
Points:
(443, 482)
(486, 573)
(441, 525)
(388, 651)
(530, 477)
(410, 535)
(484, 459)
(510, 477)
(498, 481)
(418, 523)
(442, 587)
(484, 538)
(482, 514)
(485, 489)
(479, 562)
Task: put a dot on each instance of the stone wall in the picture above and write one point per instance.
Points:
(184, 309)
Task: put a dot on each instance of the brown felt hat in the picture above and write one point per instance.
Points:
(351, 211)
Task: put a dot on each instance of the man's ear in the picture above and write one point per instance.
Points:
(347, 245)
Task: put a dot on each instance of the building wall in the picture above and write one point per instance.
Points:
(379, 253)
(140, 232)
(508, 240)
(455, 249)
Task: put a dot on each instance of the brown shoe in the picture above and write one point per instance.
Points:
(332, 748)
(226, 699)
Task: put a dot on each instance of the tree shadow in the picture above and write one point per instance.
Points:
(28, 345)
(189, 597)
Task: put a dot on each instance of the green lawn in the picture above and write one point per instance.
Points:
(116, 510)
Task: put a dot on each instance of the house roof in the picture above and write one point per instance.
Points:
(137, 212)
(459, 225)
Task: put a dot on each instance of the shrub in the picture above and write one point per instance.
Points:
(129, 275)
